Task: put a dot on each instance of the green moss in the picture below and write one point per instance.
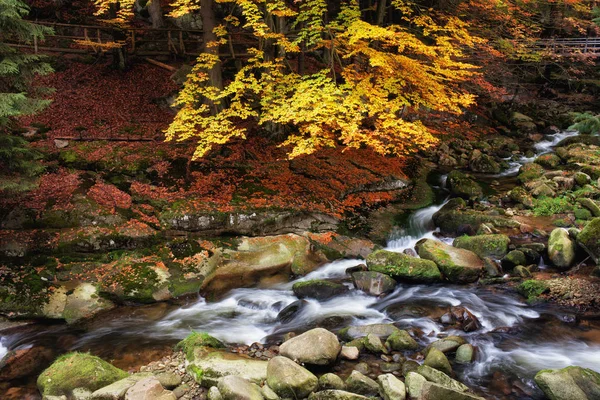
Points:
(404, 267)
(75, 370)
(529, 172)
(582, 214)
(495, 246)
(548, 206)
(197, 339)
(532, 289)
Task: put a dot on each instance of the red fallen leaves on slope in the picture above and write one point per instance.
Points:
(97, 101)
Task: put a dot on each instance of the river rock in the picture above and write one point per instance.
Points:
(589, 239)
(288, 379)
(361, 384)
(291, 311)
(350, 352)
(512, 259)
(214, 394)
(457, 265)
(433, 391)
(454, 219)
(317, 346)
(529, 172)
(207, 366)
(77, 370)
(447, 345)
(436, 359)
(391, 388)
(494, 246)
(117, 390)
(24, 362)
(268, 393)
(355, 332)
(414, 384)
(400, 340)
(570, 383)
(461, 185)
(561, 249)
(403, 267)
(149, 389)
(581, 178)
(465, 354)
(436, 376)
(318, 289)
(331, 381)
(374, 344)
(336, 395)
(462, 317)
(481, 162)
(590, 205)
(373, 283)
(237, 388)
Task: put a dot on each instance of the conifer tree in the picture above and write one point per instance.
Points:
(17, 96)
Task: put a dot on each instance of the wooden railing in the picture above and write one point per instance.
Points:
(566, 46)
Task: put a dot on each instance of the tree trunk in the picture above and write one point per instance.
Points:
(156, 15)
(381, 8)
(207, 14)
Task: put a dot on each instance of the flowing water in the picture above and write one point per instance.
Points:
(514, 342)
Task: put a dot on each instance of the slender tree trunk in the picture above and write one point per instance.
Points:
(207, 14)
(381, 8)
(156, 14)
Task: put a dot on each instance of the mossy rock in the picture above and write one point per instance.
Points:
(318, 289)
(570, 383)
(198, 339)
(549, 161)
(494, 246)
(403, 267)
(529, 172)
(589, 239)
(452, 218)
(513, 258)
(77, 370)
(457, 265)
(532, 289)
(462, 185)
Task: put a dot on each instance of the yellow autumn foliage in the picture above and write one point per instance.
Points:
(370, 82)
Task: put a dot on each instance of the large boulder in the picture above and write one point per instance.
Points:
(237, 388)
(561, 249)
(317, 347)
(208, 365)
(589, 239)
(401, 340)
(481, 162)
(462, 185)
(118, 389)
(355, 332)
(457, 265)
(436, 359)
(318, 289)
(336, 395)
(494, 246)
(433, 391)
(361, 384)
(288, 379)
(435, 376)
(77, 370)
(403, 267)
(149, 389)
(373, 283)
(391, 388)
(570, 383)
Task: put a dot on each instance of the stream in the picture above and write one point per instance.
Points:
(515, 341)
